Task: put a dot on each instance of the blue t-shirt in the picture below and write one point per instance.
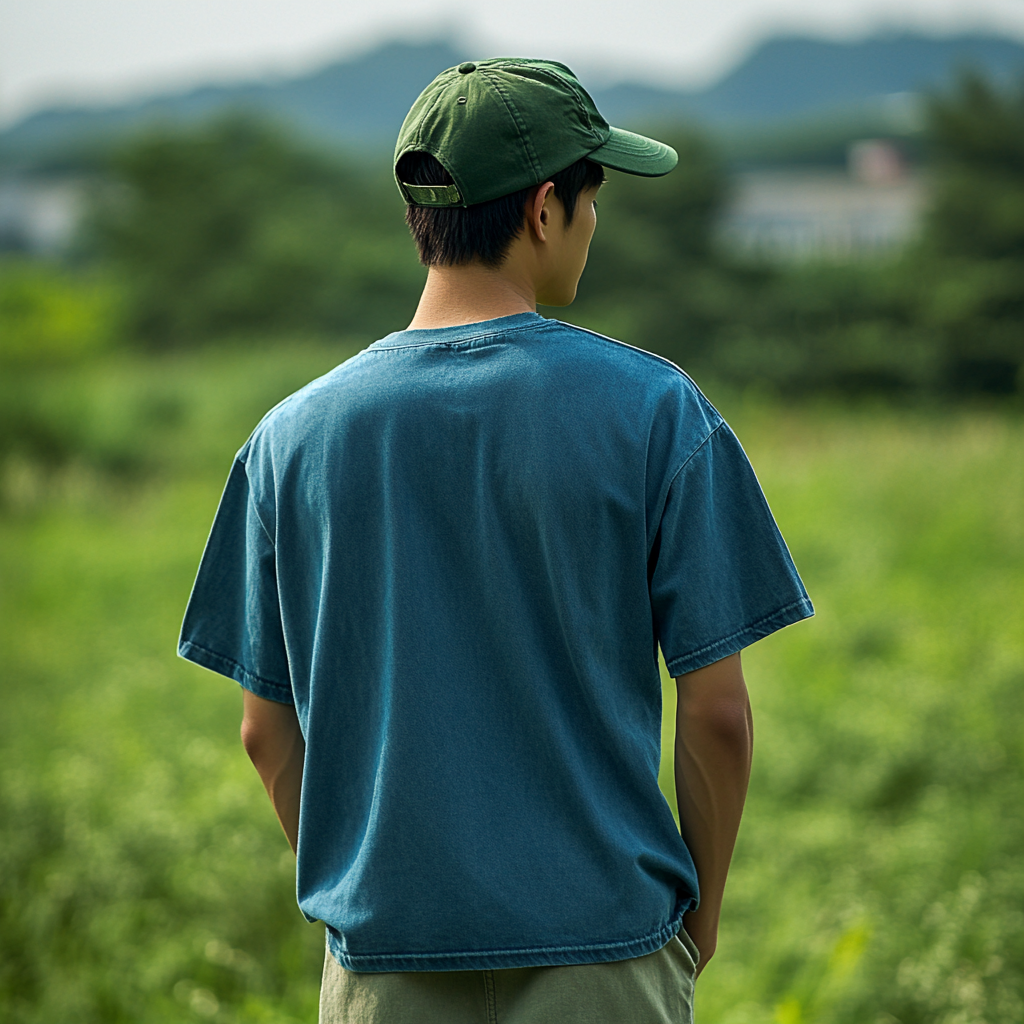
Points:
(457, 554)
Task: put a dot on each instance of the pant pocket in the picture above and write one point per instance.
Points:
(689, 945)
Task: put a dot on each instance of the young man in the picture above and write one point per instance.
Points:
(442, 573)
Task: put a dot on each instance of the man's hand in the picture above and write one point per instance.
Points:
(273, 740)
(714, 737)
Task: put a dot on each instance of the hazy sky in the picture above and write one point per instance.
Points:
(72, 50)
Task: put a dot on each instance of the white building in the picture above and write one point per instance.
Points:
(39, 215)
(873, 206)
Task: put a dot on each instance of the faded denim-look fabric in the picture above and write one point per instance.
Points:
(456, 554)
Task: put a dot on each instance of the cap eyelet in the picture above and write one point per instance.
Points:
(461, 99)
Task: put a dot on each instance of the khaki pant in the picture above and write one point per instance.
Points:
(652, 989)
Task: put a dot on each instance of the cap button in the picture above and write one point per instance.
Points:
(464, 69)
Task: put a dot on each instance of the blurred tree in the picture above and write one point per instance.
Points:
(657, 278)
(654, 276)
(51, 318)
(841, 328)
(50, 315)
(234, 228)
(946, 314)
(971, 257)
(977, 136)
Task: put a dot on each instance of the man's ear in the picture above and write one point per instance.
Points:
(538, 216)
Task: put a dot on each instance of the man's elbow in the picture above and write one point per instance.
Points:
(270, 731)
(261, 730)
(727, 719)
(254, 738)
(723, 719)
(732, 726)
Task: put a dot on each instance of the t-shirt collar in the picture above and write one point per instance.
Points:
(460, 332)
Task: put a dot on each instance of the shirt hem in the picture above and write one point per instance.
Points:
(225, 666)
(758, 630)
(498, 959)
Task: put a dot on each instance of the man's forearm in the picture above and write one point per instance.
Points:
(274, 743)
(712, 767)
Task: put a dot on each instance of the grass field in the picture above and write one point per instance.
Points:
(878, 877)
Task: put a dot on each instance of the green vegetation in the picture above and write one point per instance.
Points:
(971, 256)
(946, 316)
(878, 874)
(233, 229)
(49, 314)
(141, 877)
(878, 878)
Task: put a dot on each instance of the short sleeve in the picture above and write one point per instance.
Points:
(233, 620)
(721, 574)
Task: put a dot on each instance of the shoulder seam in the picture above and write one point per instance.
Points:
(675, 476)
(255, 509)
(686, 461)
(642, 351)
(260, 426)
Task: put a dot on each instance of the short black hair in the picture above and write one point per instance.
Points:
(446, 236)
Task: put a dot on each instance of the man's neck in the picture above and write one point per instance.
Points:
(470, 293)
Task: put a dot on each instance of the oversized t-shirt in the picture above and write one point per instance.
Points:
(457, 554)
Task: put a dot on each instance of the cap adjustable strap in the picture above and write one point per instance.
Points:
(432, 195)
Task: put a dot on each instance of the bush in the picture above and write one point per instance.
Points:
(945, 316)
(233, 228)
(878, 876)
(971, 257)
(49, 314)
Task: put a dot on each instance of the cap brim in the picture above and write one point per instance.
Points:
(635, 154)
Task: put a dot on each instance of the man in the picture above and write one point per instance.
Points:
(442, 572)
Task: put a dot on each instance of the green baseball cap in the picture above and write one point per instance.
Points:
(501, 125)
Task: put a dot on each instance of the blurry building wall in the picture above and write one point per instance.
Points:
(39, 215)
(872, 206)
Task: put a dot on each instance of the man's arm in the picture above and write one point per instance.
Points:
(714, 737)
(273, 740)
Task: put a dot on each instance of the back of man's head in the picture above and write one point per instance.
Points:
(483, 134)
(483, 232)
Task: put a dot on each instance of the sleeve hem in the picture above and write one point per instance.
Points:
(757, 630)
(266, 688)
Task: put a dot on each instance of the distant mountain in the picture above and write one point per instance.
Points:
(357, 102)
(360, 102)
(786, 77)
(790, 77)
